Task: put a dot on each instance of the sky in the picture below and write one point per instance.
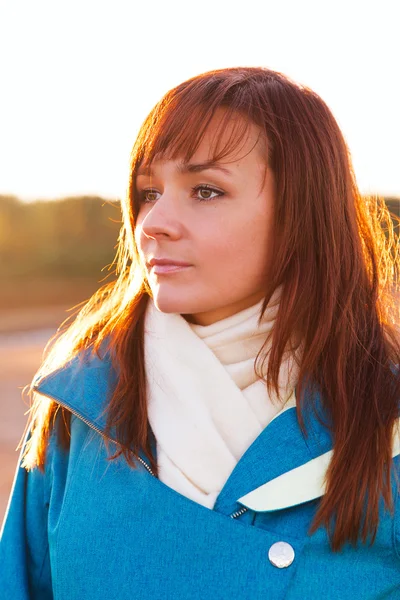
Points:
(78, 77)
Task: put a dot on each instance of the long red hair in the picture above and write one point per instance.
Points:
(336, 256)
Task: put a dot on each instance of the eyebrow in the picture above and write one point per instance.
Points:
(183, 168)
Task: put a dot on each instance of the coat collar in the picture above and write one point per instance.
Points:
(281, 468)
(84, 385)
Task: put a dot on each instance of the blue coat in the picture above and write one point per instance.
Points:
(89, 529)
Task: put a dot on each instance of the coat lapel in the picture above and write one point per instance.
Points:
(301, 484)
(280, 448)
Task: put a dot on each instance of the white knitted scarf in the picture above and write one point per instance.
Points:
(205, 404)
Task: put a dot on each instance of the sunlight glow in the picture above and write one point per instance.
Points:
(80, 77)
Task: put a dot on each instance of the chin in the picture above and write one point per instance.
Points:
(170, 305)
(174, 303)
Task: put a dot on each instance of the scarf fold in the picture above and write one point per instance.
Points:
(205, 403)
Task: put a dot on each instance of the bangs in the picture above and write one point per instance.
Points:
(176, 126)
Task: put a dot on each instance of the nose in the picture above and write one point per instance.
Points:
(162, 220)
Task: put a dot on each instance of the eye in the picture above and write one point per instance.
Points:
(144, 195)
(208, 188)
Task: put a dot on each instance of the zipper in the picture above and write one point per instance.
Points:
(90, 424)
(234, 515)
(238, 512)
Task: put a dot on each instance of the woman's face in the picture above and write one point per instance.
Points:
(223, 234)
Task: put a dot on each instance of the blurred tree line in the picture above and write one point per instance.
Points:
(49, 249)
(70, 236)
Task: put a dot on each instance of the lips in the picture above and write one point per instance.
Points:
(165, 266)
(167, 262)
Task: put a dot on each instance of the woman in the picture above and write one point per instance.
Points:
(221, 420)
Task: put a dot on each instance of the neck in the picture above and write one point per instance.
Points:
(218, 314)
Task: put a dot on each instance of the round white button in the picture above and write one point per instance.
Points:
(281, 554)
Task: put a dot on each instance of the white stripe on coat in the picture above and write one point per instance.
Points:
(299, 485)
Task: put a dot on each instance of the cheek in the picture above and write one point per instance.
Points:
(241, 245)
